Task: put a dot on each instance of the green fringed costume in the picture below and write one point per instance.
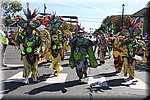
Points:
(29, 42)
(85, 53)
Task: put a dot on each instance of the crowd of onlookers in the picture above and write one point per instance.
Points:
(10, 35)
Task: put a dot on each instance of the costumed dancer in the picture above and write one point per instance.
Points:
(130, 47)
(53, 24)
(141, 41)
(81, 53)
(110, 44)
(29, 42)
(117, 53)
(45, 36)
(102, 48)
(143, 50)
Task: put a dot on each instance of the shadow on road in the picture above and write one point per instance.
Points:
(111, 83)
(10, 86)
(44, 77)
(55, 87)
(51, 87)
(13, 68)
(108, 74)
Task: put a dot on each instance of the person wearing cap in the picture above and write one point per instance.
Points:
(4, 44)
(81, 54)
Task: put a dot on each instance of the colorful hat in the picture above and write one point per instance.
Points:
(52, 22)
(30, 22)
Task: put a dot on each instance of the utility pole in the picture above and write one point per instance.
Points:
(27, 4)
(122, 15)
(44, 9)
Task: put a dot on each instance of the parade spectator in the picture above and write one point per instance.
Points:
(4, 44)
(97, 41)
(102, 48)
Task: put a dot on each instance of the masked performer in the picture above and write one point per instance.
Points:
(143, 50)
(102, 48)
(130, 47)
(52, 24)
(110, 44)
(81, 53)
(45, 36)
(117, 53)
(129, 62)
(29, 42)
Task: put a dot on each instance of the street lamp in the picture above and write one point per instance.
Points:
(44, 8)
(27, 4)
(122, 14)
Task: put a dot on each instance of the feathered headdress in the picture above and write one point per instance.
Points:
(29, 22)
(30, 15)
(52, 22)
(134, 25)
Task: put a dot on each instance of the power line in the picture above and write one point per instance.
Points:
(91, 17)
(90, 21)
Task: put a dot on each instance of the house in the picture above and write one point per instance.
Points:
(144, 15)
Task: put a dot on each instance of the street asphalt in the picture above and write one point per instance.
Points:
(102, 82)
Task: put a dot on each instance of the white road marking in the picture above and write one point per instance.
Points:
(1, 94)
(136, 83)
(59, 79)
(97, 81)
(17, 65)
(16, 78)
(14, 65)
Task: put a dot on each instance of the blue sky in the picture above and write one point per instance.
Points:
(90, 12)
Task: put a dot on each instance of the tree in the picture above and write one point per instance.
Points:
(10, 8)
(113, 23)
(68, 26)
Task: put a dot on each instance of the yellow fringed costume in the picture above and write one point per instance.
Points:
(29, 42)
(117, 54)
(45, 35)
(144, 49)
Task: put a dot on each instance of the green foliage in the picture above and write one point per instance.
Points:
(113, 23)
(68, 26)
(10, 8)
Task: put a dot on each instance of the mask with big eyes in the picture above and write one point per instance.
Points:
(55, 38)
(131, 38)
(54, 53)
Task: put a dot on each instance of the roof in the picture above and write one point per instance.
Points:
(140, 12)
(147, 5)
